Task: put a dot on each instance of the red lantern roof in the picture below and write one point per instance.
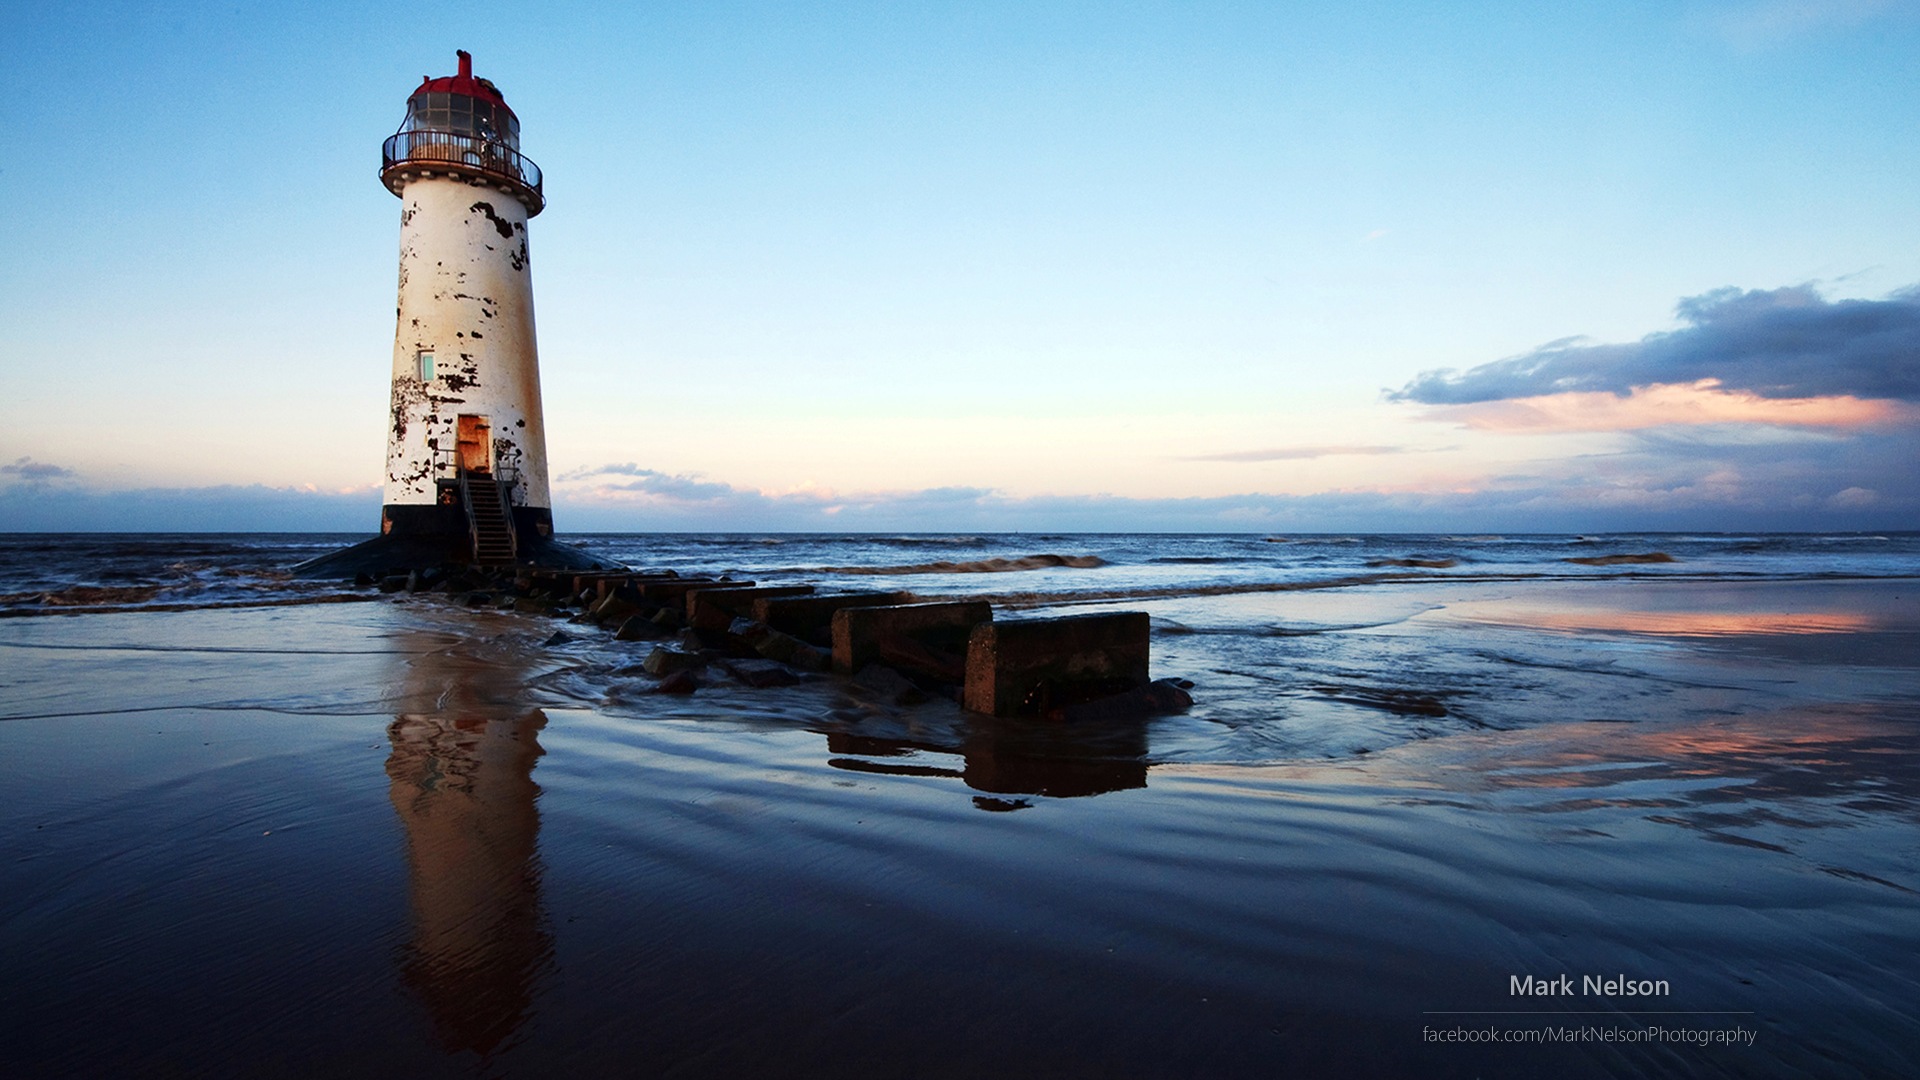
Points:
(463, 83)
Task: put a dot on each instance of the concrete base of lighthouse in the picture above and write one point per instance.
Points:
(436, 537)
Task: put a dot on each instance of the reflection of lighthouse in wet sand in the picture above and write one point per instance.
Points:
(466, 473)
(461, 780)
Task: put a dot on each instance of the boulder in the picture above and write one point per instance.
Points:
(761, 674)
(638, 628)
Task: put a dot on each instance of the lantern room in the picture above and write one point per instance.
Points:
(460, 125)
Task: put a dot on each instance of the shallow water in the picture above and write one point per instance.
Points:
(403, 838)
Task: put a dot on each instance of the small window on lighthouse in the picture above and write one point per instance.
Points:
(426, 365)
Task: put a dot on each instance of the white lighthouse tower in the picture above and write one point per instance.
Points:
(467, 449)
(466, 471)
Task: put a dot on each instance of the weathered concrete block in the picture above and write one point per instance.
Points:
(810, 618)
(675, 591)
(1031, 666)
(911, 633)
(712, 608)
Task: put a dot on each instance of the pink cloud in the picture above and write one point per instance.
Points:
(1671, 405)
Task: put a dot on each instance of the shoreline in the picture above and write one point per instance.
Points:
(412, 839)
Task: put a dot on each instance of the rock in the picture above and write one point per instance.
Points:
(477, 599)
(889, 685)
(664, 660)
(669, 619)
(680, 682)
(761, 674)
(638, 628)
(775, 645)
(615, 610)
(558, 638)
(394, 583)
(1142, 702)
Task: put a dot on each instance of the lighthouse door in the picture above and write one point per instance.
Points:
(475, 439)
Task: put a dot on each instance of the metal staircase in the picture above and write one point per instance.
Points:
(489, 519)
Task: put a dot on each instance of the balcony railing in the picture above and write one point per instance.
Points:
(465, 154)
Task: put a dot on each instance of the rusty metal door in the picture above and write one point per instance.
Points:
(475, 437)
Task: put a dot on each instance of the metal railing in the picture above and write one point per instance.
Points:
(468, 153)
(447, 467)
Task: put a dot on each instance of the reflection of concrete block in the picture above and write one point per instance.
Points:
(860, 635)
(1032, 666)
(810, 618)
(713, 607)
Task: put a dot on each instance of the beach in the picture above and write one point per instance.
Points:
(254, 826)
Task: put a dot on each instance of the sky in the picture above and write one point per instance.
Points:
(1261, 267)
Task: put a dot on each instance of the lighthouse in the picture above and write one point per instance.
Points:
(466, 461)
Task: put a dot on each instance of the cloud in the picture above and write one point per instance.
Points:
(36, 471)
(1778, 345)
(1297, 453)
(1666, 406)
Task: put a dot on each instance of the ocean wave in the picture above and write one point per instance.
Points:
(978, 566)
(1425, 564)
(1197, 560)
(83, 596)
(1617, 560)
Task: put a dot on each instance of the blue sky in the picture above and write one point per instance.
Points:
(1041, 266)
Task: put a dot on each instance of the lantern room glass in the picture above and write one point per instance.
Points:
(460, 114)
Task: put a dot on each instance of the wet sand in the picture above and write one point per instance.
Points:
(399, 838)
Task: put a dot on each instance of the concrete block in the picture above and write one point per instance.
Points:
(713, 607)
(675, 591)
(810, 618)
(1031, 666)
(930, 639)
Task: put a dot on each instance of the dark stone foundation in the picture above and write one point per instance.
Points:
(435, 536)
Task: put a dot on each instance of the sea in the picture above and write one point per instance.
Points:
(1613, 805)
